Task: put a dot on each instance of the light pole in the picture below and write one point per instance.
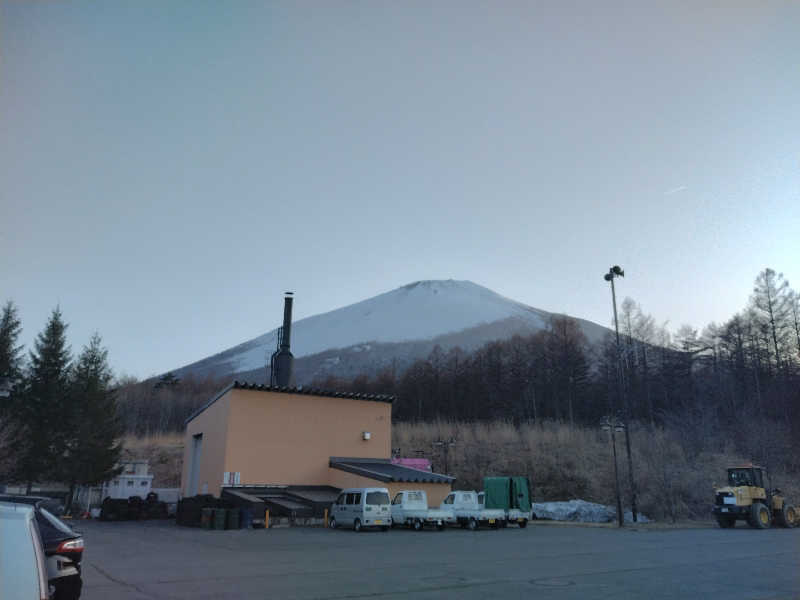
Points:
(611, 424)
(614, 272)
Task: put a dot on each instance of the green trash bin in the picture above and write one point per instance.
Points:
(233, 519)
(220, 515)
(206, 518)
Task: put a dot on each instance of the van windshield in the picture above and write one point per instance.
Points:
(377, 498)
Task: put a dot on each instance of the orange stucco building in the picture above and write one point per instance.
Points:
(253, 435)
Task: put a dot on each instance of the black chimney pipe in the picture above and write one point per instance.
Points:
(286, 337)
(282, 360)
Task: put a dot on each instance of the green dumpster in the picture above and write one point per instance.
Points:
(206, 518)
(233, 519)
(220, 515)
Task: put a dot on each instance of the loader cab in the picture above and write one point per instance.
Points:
(746, 476)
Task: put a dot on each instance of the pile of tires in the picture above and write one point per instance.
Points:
(114, 509)
(133, 509)
(153, 508)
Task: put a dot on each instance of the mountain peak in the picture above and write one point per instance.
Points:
(418, 311)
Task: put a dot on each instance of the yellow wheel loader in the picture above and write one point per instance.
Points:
(745, 498)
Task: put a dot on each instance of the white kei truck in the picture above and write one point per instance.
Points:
(469, 513)
(410, 509)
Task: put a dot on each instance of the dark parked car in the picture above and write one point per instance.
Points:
(63, 547)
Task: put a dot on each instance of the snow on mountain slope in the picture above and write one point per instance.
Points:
(418, 311)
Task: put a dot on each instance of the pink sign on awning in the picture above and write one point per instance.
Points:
(422, 464)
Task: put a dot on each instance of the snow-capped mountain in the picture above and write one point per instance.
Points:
(403, 324)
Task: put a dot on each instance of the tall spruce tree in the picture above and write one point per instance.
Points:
(92, 448)
(40, 426)
(10, 374)
(10, 351)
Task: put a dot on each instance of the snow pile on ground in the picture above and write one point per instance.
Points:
(581, 511)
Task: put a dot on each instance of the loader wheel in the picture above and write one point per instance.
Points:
(787, 516)
(759, 516)
(726, 522)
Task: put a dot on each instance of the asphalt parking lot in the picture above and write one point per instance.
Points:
(158, 560)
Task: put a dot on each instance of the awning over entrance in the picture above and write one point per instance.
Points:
(383, 470)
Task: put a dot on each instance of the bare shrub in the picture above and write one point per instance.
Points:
(564, 462)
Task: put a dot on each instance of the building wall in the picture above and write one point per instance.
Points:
(213, 424)
(288, 439)
(436, 492)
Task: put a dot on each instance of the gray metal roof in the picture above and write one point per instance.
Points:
(242, 385)
(382, 469)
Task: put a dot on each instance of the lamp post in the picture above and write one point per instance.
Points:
(611, 424)
(614, 272)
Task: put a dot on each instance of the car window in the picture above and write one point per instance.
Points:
(398, 499)
(377, 498)
(55, 522)
(340, 499)
(415, 496)
(351, 498)
(357, 499)
(450, 499)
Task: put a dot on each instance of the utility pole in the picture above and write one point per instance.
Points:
(613, 272)
(444, 444)
(610, 424)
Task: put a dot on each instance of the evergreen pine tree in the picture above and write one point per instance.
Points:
(40, 425)
(10, 352)
(92, 449)
(10, 374)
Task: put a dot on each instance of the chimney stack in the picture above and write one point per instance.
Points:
(282, 360)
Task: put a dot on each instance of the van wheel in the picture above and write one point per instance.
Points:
(417, 525)
(523, 524)
(472, 525)
(332, 523)
(357, 525)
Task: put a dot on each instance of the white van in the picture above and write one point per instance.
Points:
(362, 507)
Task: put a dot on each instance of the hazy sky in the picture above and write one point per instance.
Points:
(168, 169)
